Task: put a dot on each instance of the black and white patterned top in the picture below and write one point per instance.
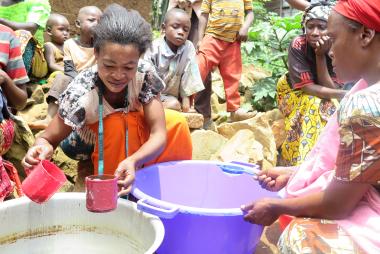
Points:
(78, 104)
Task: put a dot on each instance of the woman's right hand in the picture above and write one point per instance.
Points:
(323, 46)
(37, 153)
(274, 179)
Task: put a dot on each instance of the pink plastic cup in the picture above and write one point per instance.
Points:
(101, 193)
(44, 180)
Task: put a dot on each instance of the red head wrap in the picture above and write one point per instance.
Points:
(366, 12)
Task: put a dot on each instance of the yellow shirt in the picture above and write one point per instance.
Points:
(225, 17)
(58, 54)
(82, 57)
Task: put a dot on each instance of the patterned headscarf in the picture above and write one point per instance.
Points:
(317, 11)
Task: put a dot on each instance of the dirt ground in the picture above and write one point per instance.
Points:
(70, 8)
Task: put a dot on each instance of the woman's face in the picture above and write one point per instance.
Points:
(117, 65)
(315, 29)
(344, 52)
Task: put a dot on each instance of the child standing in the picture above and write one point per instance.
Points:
(58, 29)
(78, 55)
(174, 58)
(220, 45)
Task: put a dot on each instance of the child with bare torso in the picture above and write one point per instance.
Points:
(58, 29)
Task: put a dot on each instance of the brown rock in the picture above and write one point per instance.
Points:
(194, 120)
(68, 165)
(218, 85)
(259, 73)
(265, 165)
(216, 107)
(22, 141)
(279, 133)
(33, 113)
(206, 143)
(67, 187)
(274, 115)
(38, 95)
(262, 133)
(242, 147)
(247, 78)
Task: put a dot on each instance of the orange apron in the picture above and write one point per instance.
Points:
(116, 125)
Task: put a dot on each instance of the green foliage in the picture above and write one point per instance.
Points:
(158, 11)
(156, 34)
(269, 38)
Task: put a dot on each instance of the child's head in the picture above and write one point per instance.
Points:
(176, 27)
(58, 28)
(88, 18)
(120, 38)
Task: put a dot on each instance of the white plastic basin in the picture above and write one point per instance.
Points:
(63, 225)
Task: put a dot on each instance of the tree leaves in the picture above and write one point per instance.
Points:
(269, 38)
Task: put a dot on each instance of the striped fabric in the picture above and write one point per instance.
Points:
(225, 17)
(10, 56)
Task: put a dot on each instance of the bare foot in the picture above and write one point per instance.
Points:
(40, 124)
(241, 114)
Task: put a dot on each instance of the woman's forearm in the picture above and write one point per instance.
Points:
(154, 118)
(29, 26)
(324, 78)
(15, 95)
(323, 92)
(56, 131)
(336, 202)
(149, 150)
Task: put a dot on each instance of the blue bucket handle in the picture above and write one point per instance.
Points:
(238, 168)
(247, 164)
(164, 211)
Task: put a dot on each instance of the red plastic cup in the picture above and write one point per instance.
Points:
(44, 180)
(101, 193)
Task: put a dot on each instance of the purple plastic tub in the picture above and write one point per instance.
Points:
(199, 205)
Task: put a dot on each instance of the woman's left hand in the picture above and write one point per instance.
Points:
(125, 173)
(261, 212)
(323, 45)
